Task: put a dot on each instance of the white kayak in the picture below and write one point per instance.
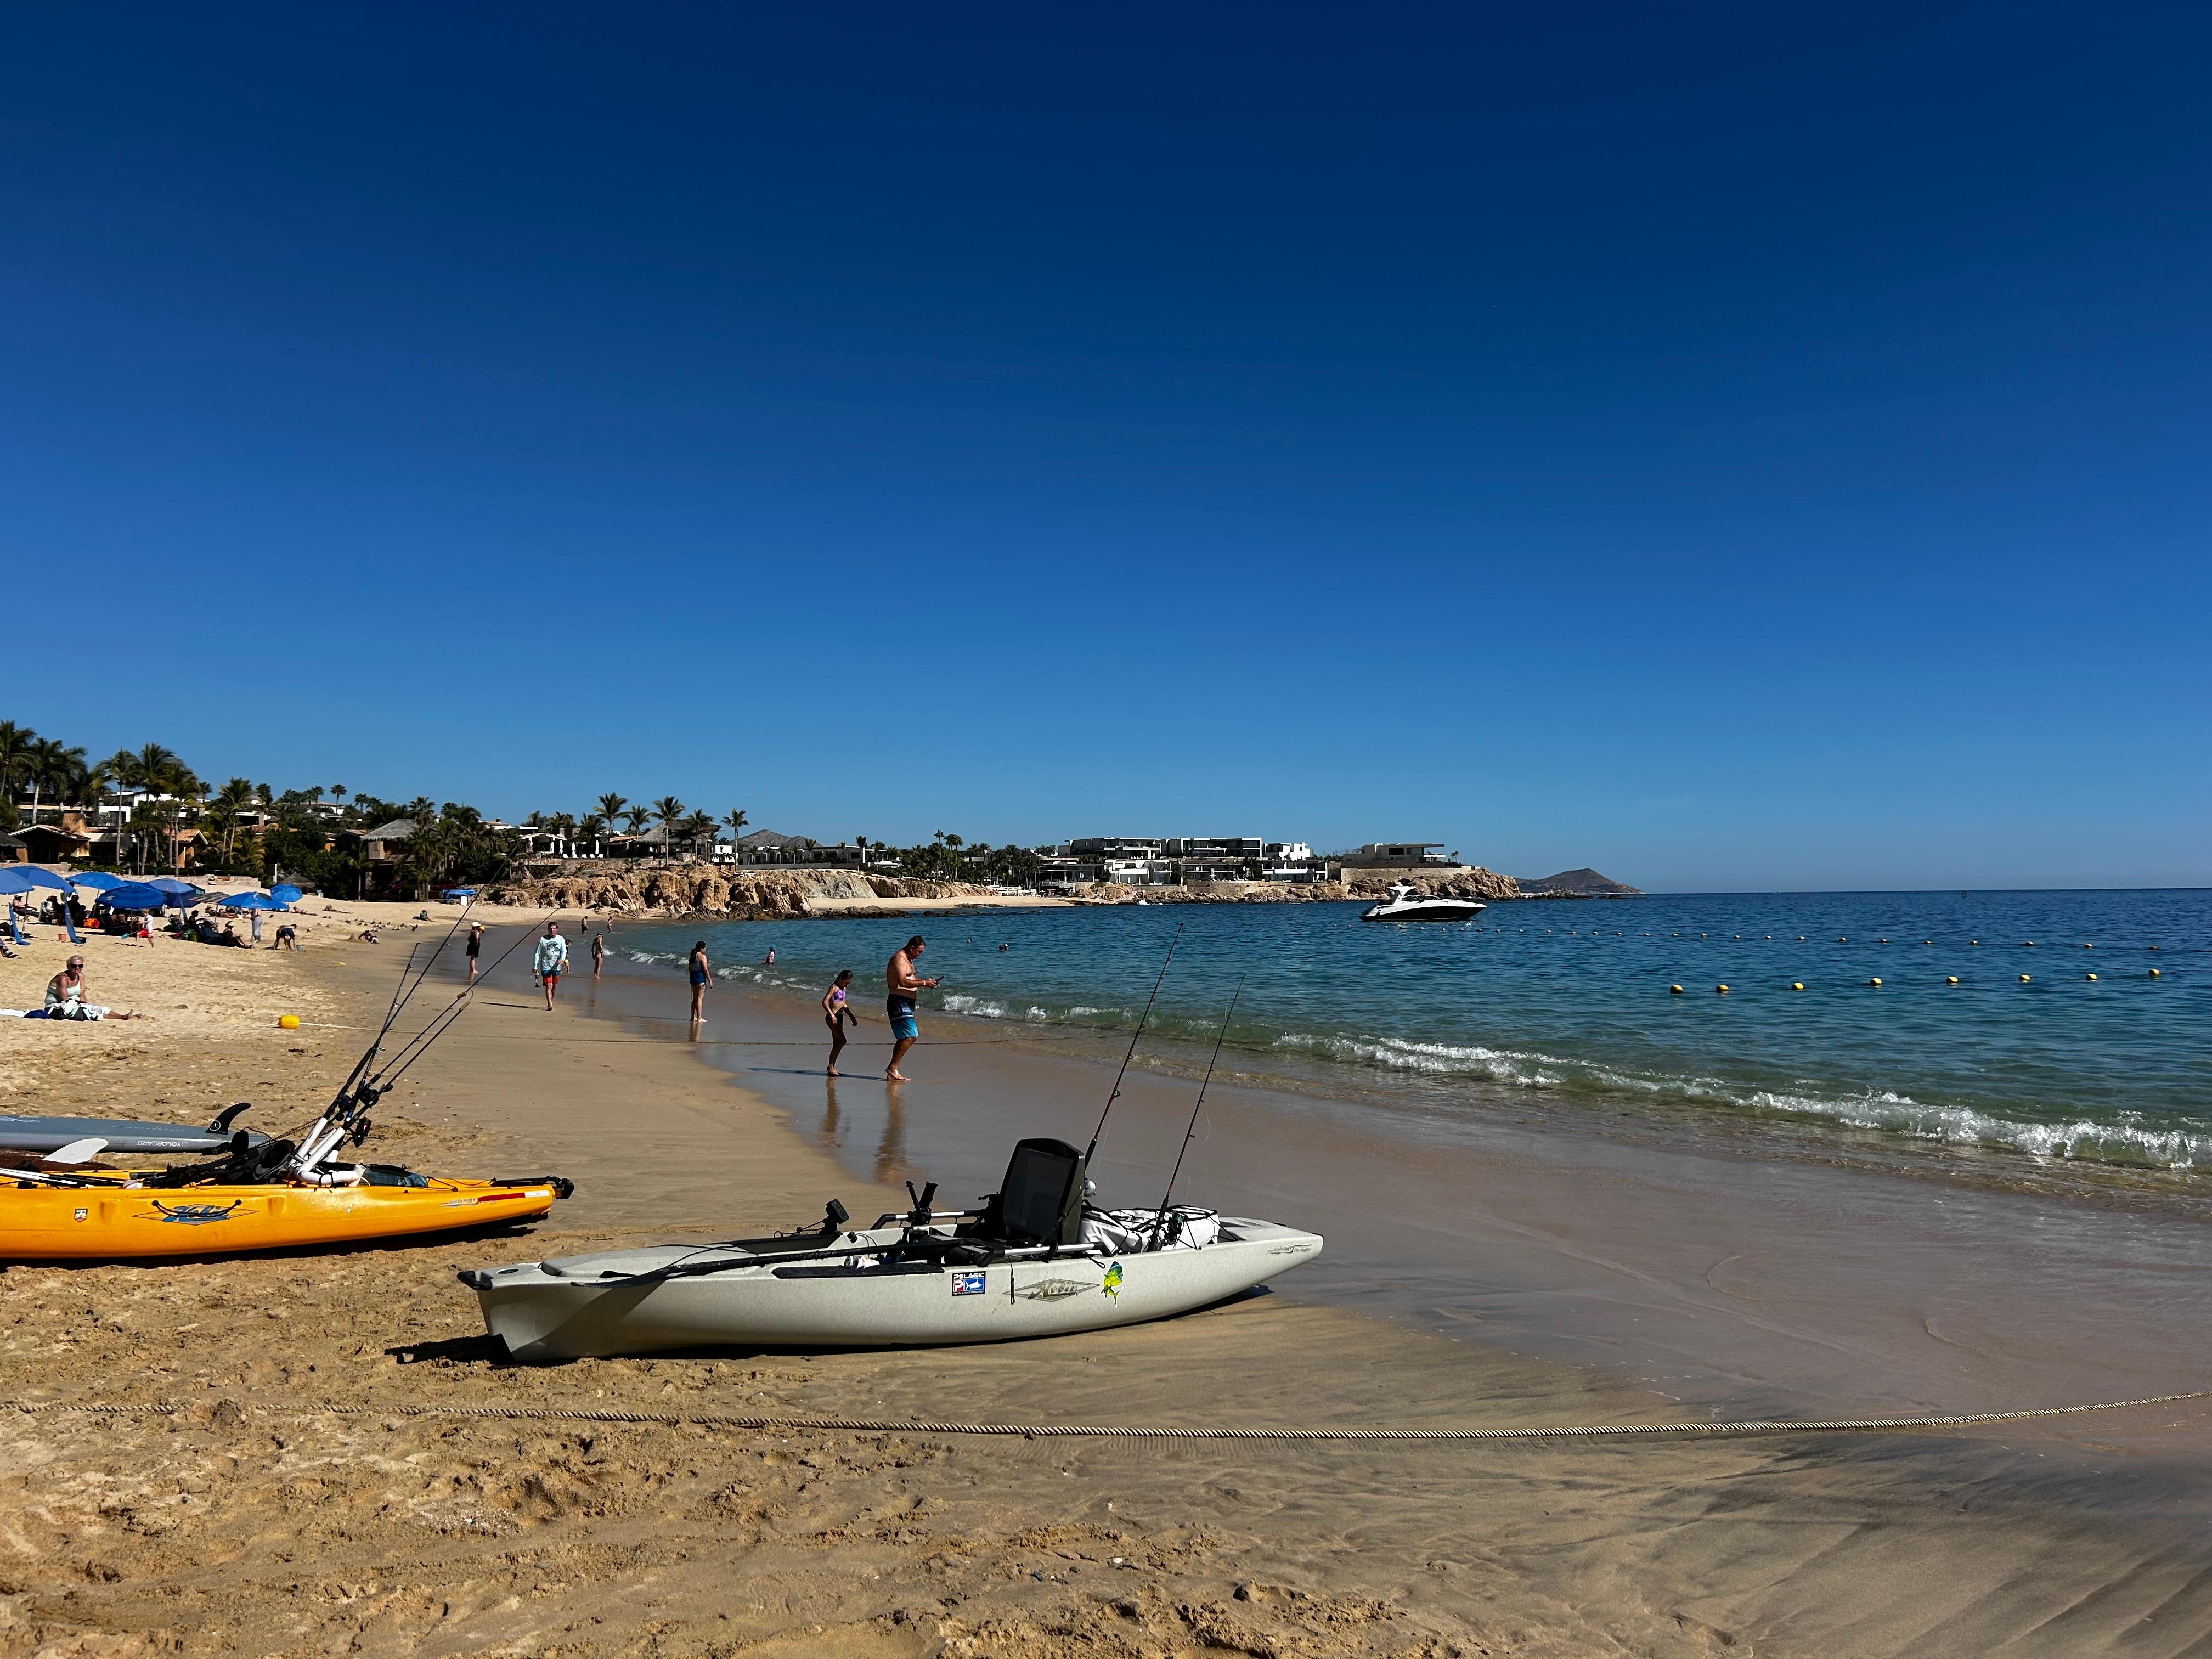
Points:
(1036, 1261)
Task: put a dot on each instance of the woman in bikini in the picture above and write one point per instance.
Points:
(701, 976)
(835, 1012)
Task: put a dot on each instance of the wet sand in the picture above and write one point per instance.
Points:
(231, 1528)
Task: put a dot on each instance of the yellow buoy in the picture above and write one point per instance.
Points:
(1722, 988)
(2089, 976)
(1950, 979)
(1796, 984)
(288, 1022)
(1873, 981)
(1973, 941)
(2023, 979)
(1676, 989)
(2153, 973)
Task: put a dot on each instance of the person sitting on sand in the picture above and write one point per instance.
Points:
(66, 998)
(836, 1010)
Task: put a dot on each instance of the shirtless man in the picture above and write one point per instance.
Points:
(899, 981)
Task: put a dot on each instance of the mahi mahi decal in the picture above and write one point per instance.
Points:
(1112, 1283)
(196, 1215)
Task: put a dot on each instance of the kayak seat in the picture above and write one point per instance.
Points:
(1039, 1202)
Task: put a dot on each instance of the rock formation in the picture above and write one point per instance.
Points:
(745, 894)
(1577, 883)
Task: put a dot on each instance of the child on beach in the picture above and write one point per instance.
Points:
(701, 976)
(835, 1011)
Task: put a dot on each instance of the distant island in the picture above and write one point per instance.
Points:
(1576, 883)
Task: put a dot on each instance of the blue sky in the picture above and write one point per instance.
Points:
(1732, 449)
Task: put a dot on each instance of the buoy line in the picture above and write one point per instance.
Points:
(1113, 1430)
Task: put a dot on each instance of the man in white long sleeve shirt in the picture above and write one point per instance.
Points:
(551, 960)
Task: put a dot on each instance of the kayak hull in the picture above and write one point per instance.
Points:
(108, 1221)
(595, 1306)
(123, 1136)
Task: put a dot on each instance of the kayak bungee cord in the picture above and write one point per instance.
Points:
(1160, 1220)
(1116, 1093)
(1116, 1430)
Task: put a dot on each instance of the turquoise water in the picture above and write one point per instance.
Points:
(1570, 1002)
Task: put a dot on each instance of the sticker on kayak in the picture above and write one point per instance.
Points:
(196, 1215)
(1112, 1283)
(968, 1284)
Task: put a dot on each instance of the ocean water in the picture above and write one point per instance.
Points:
(1569, 1003)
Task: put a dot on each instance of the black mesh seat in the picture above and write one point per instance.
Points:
(1040, 1201)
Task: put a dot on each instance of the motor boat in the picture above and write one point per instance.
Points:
(1407, 903)
(1037, 1258)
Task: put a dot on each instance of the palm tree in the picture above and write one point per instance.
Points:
(737, 821)
(591, 827)
(224, 811)
(338, 792)
(15, 743)
(611, 806)
(52, 765)
(638, 818)
(668, 809)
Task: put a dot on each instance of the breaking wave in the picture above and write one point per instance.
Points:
(2137, 1144)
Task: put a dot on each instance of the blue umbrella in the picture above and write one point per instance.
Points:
(97, 880)
(171, 884)
(247, 902)
(134, 895)
(460, 893)
(30, 876)
(14, 881)
(284, 893)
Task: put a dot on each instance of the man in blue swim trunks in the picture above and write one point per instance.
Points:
(899, 981)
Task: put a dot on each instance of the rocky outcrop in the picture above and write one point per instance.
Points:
(1577, 883)
(753, 895)
(1472, 883)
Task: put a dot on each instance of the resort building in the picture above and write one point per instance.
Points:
(1397, 855)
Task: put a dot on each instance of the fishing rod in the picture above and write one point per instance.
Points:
(1160, 1220)
(1131, 1054)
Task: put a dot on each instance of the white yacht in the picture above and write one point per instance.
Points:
(1406, 903)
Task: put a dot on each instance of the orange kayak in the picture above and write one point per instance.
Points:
(105, 1220)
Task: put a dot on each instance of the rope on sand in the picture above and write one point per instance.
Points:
(1114, 1430)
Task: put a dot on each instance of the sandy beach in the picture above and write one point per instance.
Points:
(287, 1501)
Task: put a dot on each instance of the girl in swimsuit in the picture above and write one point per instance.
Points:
(599, 953)
(835, 1012)
(700, 974)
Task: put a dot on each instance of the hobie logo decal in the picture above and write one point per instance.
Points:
(968, 1284)
(1051, 1290)
(196, 1215)
(1112, 1283)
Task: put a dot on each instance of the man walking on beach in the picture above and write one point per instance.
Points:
(551, 959)
(476, 948)
(900, 982)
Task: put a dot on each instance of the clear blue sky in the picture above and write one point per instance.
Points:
(1729, 446)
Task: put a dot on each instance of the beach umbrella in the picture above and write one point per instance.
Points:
(99, 880)
(134, 895)
(247, 902)
(22, 878)
(453, 893)
(284, 893)
(171, 884)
